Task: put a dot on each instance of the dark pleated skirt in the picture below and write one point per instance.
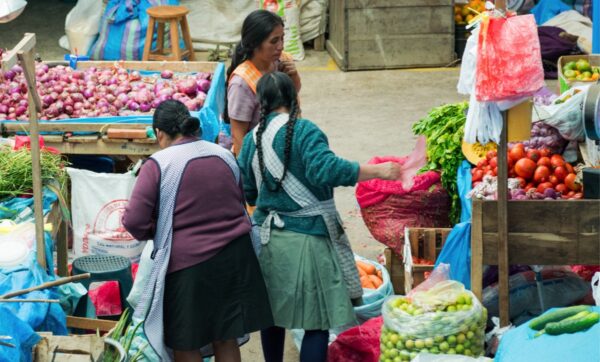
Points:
(216, 300)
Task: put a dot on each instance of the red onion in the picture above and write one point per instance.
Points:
(187, 86)
(203, 85)
(133, 106)
(135, 75)
(191, 105)
(3, 108)
(20, 110)
(145, 107)
(17, 69)
(166, 74)
(10, 74)
(178, 96)
(88, 93)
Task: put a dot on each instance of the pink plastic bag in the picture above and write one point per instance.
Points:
(509, 60)
(357, 344)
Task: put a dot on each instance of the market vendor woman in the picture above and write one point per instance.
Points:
(206, 288)
(289, 173)
(259, 52)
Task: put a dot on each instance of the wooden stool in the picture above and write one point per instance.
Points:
(174, 16)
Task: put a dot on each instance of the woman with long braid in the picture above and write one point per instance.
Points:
(289, 173)
(260, 51)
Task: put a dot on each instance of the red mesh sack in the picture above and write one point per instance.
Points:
(509, 59)
(387, 208)
(357, 344)
(106, 297)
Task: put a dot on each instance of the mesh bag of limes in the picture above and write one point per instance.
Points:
(440, 318)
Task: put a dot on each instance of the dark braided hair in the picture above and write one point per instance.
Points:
(276, 90)
(256, 28)
(173, 118)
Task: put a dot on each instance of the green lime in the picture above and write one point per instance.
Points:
(413, 355)
(389, 345)
(470, 335)
(424, 350)
(398, 359)
(382, 357)
(429, 342)
(451, 308)
(389, 360)
(384, 338)
(460, 299)
(570, 65)
(392, 353)
(434, 350)
(474, 327)
(451, 351)
(438, 339)
(467, 352)
(461, 338)
(419, 344)
(466, 307)
(400, 345)
(409, 344)
(403, 337)
(467, 344)
(444, 346)
(459, 348)
(382, 347)
(393, 338)
(583, 65)
(418, 311)
(451, 340)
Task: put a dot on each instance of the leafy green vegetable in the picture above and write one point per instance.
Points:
(444, 128)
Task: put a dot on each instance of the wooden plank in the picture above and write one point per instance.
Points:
(429, 245)
(52, 138)
(413, 236)
(503, 266)
(390, 52)
(106, 148)
(185, 31)
(62, 250)
(11, 57)
(319, 43)
(82, 139)
(90, 324)
(174, 32)
(180, 66)
(388, 23)
(371, 4)
(477, 250)
(57, 126)
(126, 133)
(148, 42)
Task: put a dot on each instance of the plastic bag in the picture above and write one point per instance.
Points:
(596, 288)
(289, 11)
(82, 25)
(468, 67)
(429, 357)
(565, 116)
(142, 275)
(463, 181)
(358, 344)
(11, 9)
(440, 315)
(373, 298)
(509, 60)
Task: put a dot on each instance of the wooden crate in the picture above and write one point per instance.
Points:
(558, 232)
(425, 243)
(384, 34)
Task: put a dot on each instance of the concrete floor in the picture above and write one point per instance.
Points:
(364, 114)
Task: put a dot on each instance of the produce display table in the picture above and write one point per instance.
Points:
(558, 232)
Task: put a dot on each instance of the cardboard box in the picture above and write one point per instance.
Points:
(563, 83)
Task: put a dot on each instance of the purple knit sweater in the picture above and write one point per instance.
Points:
(209, 211)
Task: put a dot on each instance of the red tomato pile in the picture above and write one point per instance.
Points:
(535, 169)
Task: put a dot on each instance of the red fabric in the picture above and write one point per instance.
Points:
(106, 298)
(25, 141)
(586, 272)
(357, 344)
(374, 191)
(509, 59)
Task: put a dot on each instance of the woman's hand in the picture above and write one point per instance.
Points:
(289, 67)
(384, 171)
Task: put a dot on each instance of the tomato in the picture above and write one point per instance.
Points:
(541, 174)
(512, 173)
(511, 163)
(522, 182)
(554, 180)
(557, 161)
(544, 152)
(560, 172)
(525, 168)
(561, 188)
(571, 193)
(477, 176)
(544, 161)
(516, 153)
(491, 154)
(578, 195)
(494, 162)
(489, 173)
(482, 163)
(486, 168)
(473, 170)
(569, 168)
(543, 186)
(476, 183)
(570, 182)
(565, 197)
(529, 187)
(533, 155)
(495, 171)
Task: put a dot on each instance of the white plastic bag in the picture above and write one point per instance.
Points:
(142, 275)
(10, 9)
(290, 13)
(565, 116)
(82, 25)
(98, 201)
(596, 288)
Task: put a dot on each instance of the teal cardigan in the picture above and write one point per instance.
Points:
(313, 164)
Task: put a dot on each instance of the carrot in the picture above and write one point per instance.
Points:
(369, 268)
(379, 274)
(362, 272)
(375, 280)
(367, 283)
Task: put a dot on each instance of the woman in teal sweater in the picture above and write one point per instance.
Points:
(289, 174)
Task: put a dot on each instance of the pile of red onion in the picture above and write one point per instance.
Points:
(69, 93)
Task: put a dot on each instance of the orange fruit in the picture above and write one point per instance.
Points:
(465, 11)
(469, 18)
(458, 19)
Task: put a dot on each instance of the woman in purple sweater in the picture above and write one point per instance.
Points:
(206, 288)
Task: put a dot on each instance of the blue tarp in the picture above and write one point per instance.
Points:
(547, 9)
(519, 345)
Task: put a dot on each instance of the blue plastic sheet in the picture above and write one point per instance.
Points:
(457, 253)
(23, 337)
(547, 9)
(463, 181)
(518, 345)
(10, 208)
